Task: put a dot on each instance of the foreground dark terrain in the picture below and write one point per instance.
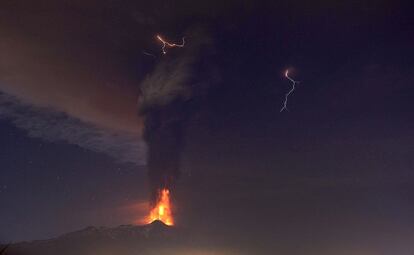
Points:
(154, 238)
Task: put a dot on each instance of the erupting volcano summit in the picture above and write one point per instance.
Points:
(162, 210)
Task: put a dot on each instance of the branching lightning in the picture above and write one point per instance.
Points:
(166, 44)
(290, 91)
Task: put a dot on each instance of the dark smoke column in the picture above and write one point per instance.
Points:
(168, 98)
(164, 128)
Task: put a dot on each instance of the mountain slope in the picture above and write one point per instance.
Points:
(125, 239)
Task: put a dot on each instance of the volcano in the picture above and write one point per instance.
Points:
(124, 239)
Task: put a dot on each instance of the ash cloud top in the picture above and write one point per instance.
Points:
(66, 76)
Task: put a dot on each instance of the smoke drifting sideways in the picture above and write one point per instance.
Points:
(169, 97)
(62, 86)
(79, 99)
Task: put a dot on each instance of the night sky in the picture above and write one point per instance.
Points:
(79, 97)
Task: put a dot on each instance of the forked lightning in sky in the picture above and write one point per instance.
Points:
(166, 44)
(290, 91)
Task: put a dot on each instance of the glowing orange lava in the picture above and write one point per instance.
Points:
(162, 211)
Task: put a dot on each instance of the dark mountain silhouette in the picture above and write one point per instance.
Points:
(154, 238)
(3, 249)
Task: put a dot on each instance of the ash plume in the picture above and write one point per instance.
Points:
(168, 99)
(61, 81)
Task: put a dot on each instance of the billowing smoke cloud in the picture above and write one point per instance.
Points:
(54, 126)
(65, 76)
(57, 84)
(168, 98)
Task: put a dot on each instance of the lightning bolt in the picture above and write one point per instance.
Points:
(166, 44)
(290, 91)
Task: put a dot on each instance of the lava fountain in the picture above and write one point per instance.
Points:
(162, 210)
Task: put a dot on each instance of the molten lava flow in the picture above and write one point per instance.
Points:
(162, 210)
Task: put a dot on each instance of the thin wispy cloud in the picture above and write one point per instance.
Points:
(53, 126)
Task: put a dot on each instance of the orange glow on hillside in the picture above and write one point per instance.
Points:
(162, 211)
